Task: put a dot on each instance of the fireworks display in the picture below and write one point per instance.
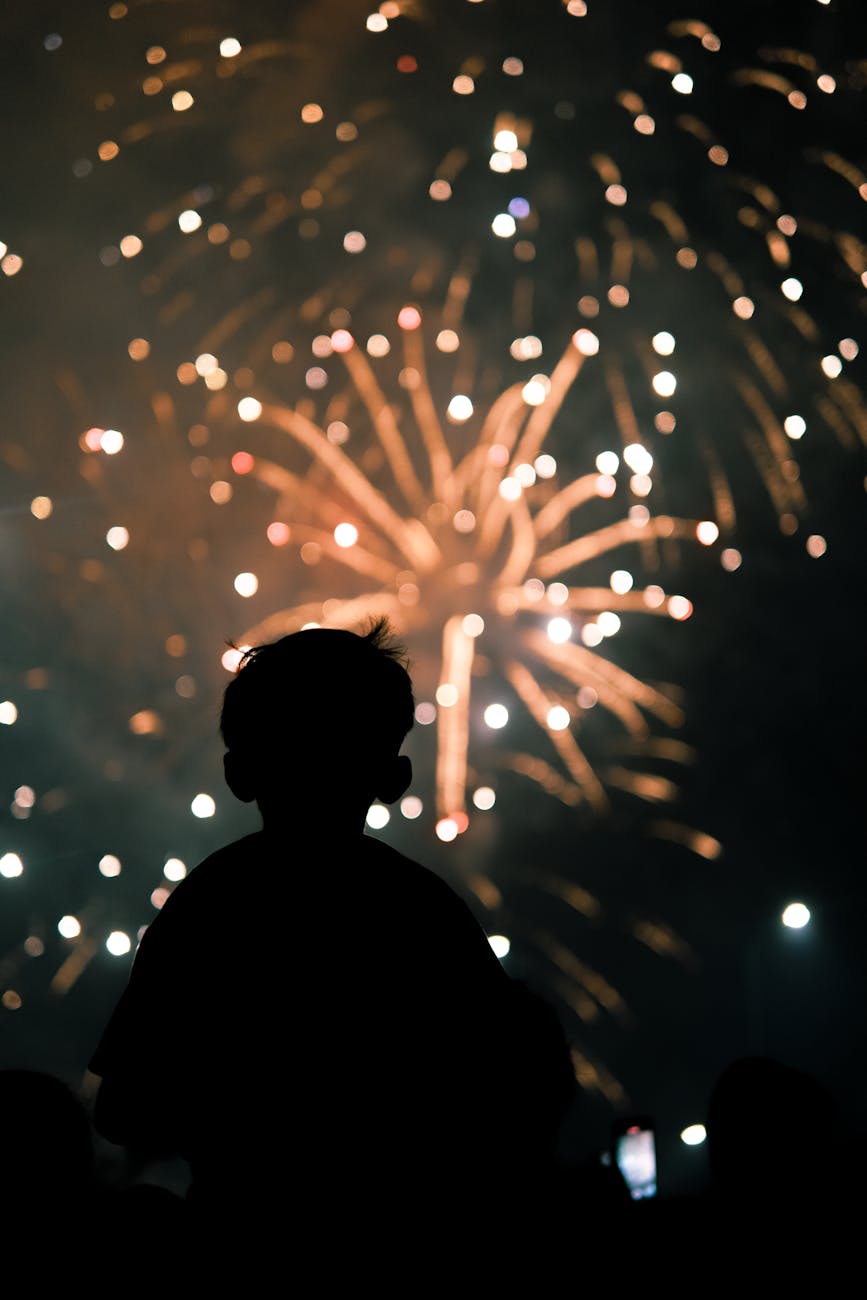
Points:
(497, 319)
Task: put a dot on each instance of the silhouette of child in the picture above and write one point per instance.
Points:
(311, 1009)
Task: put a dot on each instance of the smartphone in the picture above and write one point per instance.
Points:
(634, 1150)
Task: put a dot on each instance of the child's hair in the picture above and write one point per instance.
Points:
(327, 680)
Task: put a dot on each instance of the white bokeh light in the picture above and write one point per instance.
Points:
(496, 716)
(203, 806)
(377, 816)
(796, 916)
(118, 943)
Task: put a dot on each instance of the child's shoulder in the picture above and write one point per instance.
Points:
(405, 879)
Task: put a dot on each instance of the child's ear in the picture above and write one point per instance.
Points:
(238, 778)
(394, 779)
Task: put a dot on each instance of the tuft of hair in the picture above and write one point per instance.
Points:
(321, 673)
(380, 637)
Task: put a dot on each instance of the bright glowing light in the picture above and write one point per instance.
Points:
(663, 343)
(8, 713)
(130, 246)
(743, 307)
(117, 538)
(448, 341)
(473, 625)
(500, 945)
(203, 806)
(796, 916)
(510, 489)
(506, 141)
(816, 545)
(608, 462)
(376, 22)
(664, 383)
(795, 426)
(609, 622)
(354, 241)
(616, 195)
(174, 869)
(409, 318)
(693, 1135)
(243, 462)
(230, 47)
(463, 521)
(558, 718)
(545, 466)
(109, 865)
(460, 408)
(536, 390)
(41, 507)
(246, 584)
(484, 798)
(377, 816)
(205, 363)
(231, 658)
(707, 532)
(679, 607)
(586, 342)
(249, 408)
(831, 366)
(189, 220)
(621, 581)
(682, 82)
(638, 458)
(278, 533)
(504, 225)
(11, 866)
(526, 475)
(346, 535)
(446, 695)
(425, 713)
(500, 162)
(496, 716)
(447, 829)
(182, 100)
(118, 943)
(559, 630)
(591, 634)
(111, 441)
(792, 288)
(378, 346)
(557, 593)
(69, 927)
(411, 807)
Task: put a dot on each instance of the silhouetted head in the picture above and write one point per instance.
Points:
(770, 1131)
(45, 1144)
(313, 724)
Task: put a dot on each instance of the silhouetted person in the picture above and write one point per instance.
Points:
(771, 1135)
(778, 1200)
(46, 1164)
(313, 1018)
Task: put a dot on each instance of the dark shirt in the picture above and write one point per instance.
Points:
(322, 1011)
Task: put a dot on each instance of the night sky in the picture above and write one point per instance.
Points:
(181, 234)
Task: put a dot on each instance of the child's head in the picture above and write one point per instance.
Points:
(317, 720)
